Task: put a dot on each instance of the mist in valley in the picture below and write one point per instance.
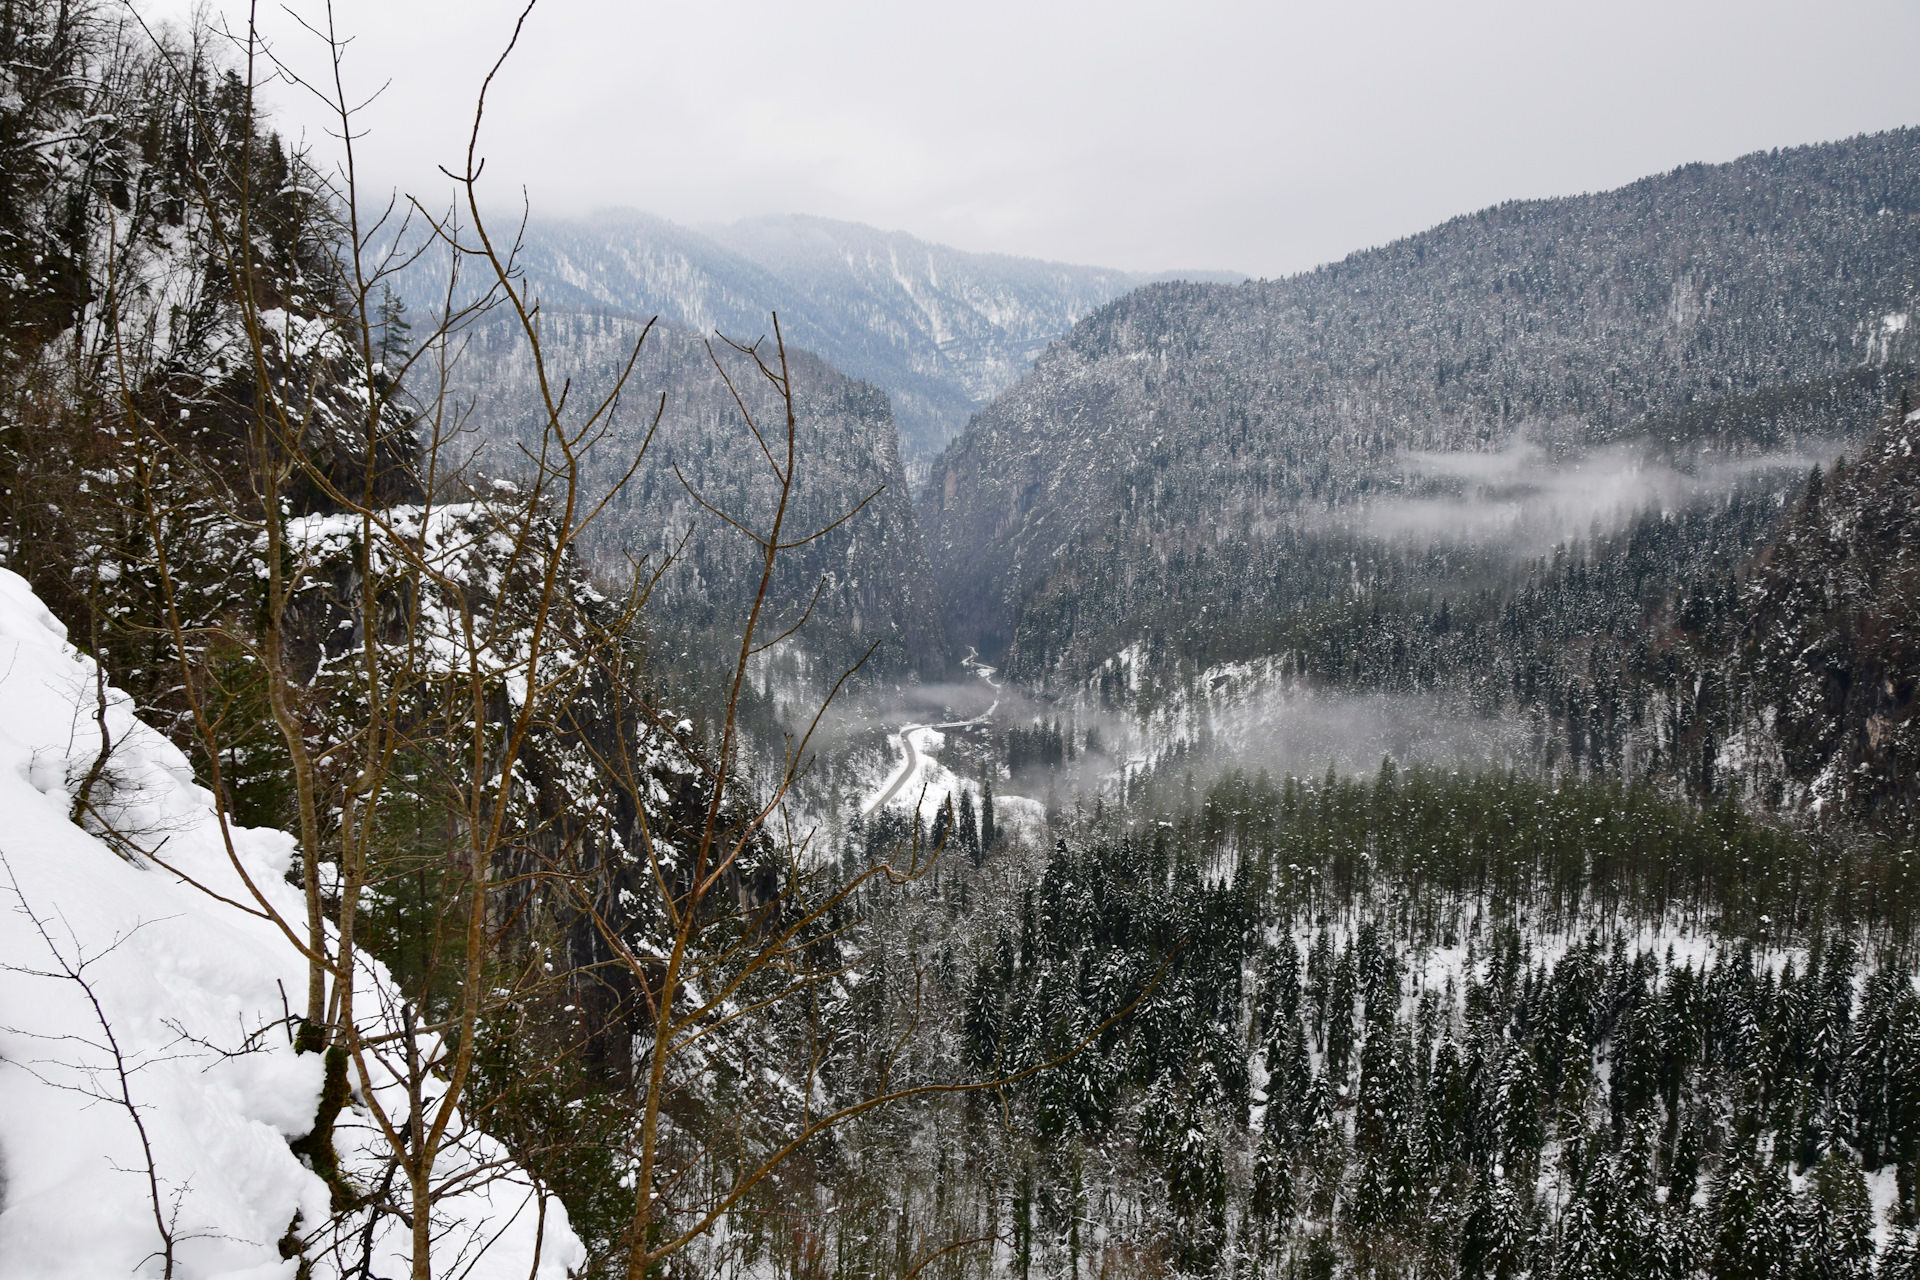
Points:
(1527, 500)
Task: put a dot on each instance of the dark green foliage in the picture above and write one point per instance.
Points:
(1562, 1054)
(1560, 848)
(1038, 749)
(315, 1147)
(1836, 1222)
(1900, 1260)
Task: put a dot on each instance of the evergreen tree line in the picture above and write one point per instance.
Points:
(1042, 747)
(1356, 1086)
(1556, 847)
(1419, 1024)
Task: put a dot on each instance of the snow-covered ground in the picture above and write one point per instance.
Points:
(919, 779)
(148, 1084)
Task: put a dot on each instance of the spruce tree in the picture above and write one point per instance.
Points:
(1900, 1260)
(982, 1026)
(1340, 1036)
(1271, 1203)
(1289, 1076)
(969, 827)
(1752, 1218)
(989, 828)
(395, 342)
(942, 826)
(1835, 1223)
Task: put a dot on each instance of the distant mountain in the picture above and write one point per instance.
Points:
(1195, 465)
(939, 330)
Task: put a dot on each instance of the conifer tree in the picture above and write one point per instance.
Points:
(1900, 1260)
(969, 827)
(989, 827)
(1834, 1226)
(1271, 1201)
(1340, 1032)
(982, 1024)
(1289, 1077)
(1752, 1218)
(395, 341)
(942, 826)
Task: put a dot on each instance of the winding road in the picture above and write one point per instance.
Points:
(910, 755)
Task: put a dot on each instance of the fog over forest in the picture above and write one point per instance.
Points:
(614, 713)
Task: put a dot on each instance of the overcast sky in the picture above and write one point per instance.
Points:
(1262, 138)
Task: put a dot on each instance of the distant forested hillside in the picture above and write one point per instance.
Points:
(1523, 466)
(1831, 638)
(866, 582)
(1183, 433)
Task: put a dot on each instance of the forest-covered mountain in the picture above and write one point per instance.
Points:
(1831, 636)
(1187, 426)
(376, 900)
(940, 330)
(866, 582)
(1521, 467)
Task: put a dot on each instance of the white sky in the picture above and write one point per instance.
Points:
(1255, 137)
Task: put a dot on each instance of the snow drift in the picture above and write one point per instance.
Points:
(148, 1083)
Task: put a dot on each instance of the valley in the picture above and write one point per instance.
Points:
(1491, 568)
(594, 746)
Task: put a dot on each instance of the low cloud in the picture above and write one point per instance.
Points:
(1252, 717)
(1525, 497)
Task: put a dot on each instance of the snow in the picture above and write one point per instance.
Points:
(106, 948)
(1883, 1193)
(927, 783)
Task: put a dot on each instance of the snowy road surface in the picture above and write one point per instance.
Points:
(910, 755)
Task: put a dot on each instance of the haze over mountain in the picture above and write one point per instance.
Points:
(940, 330)
(1170, 447)
(1443, 801)
(1491, 468)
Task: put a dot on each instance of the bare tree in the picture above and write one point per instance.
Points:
(449, 691)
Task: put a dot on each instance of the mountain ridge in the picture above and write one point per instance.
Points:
(941, 330)
(1561, 321)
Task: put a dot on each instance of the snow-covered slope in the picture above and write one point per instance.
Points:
(148, 1084)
